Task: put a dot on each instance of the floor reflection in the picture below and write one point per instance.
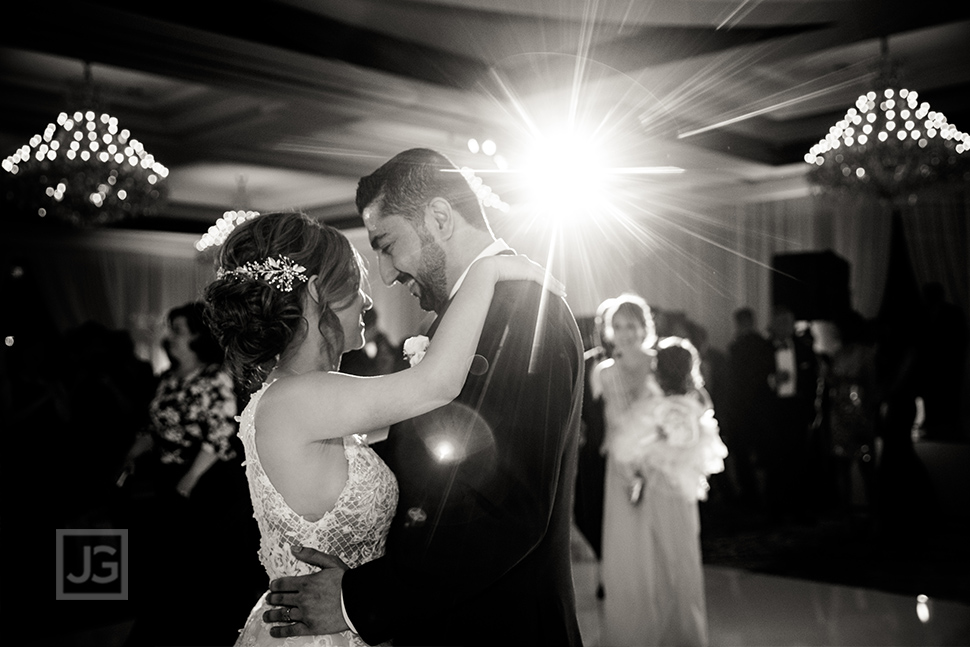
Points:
(746, 608)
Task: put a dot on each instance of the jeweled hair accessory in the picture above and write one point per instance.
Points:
(278, 272)
(484, 192)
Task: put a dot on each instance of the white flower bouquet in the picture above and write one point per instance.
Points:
(684, 445)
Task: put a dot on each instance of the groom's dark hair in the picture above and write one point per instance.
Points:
(408, 181)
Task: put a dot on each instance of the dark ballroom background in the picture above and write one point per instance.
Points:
(284, 104)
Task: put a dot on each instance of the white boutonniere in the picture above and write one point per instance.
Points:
(415, 348)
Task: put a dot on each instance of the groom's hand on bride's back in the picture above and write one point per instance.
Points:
(310, 603)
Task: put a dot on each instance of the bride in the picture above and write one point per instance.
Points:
(286, 304)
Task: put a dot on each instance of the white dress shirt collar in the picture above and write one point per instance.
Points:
(498, 245)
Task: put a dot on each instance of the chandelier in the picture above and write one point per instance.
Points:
(890, 143)
(84, 169)
(217, 233)
(220, 230)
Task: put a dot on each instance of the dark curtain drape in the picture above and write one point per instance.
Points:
(123, 280)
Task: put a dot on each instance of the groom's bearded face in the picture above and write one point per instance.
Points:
(409, 254)
(431, 279)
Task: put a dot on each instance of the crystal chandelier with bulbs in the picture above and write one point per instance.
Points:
(217, 233)
(890, 143)
(84, 169)
(220, 230)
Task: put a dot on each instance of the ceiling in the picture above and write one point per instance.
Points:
(286, 103)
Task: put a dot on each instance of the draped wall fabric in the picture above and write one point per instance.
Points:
(937, 229)
(711, 272)
(125, 280)
(708, 270)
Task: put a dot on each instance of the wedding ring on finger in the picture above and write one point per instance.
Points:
(286, 614)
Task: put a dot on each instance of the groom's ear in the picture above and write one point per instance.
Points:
(439, 217)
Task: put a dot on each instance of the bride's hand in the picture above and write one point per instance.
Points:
(519, 268)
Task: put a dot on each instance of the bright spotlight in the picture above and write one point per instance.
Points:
(566, 175)
(488, 147)
(473, 145)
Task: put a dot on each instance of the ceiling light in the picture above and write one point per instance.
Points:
(83, 169)
(890, 143)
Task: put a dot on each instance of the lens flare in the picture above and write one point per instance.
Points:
(565, 175)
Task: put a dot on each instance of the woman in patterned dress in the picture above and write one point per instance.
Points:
(188, 456)
(192, 416)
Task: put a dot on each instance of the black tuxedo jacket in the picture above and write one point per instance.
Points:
(478, 553)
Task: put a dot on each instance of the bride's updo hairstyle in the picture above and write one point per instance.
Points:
(255, 315)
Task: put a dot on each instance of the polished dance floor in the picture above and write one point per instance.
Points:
(751, 609)
(745, 609)
(834, 579)
(748, 607)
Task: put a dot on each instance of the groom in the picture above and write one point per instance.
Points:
(478, 553)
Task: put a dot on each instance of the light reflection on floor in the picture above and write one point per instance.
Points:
(751, 609)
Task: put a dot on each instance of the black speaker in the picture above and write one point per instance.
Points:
(813, 285)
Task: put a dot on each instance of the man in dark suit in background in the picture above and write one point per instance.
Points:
(792, 447)
(744, 412)
(478, 553)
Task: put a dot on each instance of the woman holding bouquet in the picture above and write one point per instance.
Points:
(662, 442)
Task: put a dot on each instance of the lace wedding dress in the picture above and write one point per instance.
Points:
(355, 529)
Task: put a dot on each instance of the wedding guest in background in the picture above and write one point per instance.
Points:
(790, 450)
(192, 416)
(743, 412)
(713, 363)
(907, 505)
(677, 464)
(846, 354)
(668, 448)
(190, 456)
(620, 383)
